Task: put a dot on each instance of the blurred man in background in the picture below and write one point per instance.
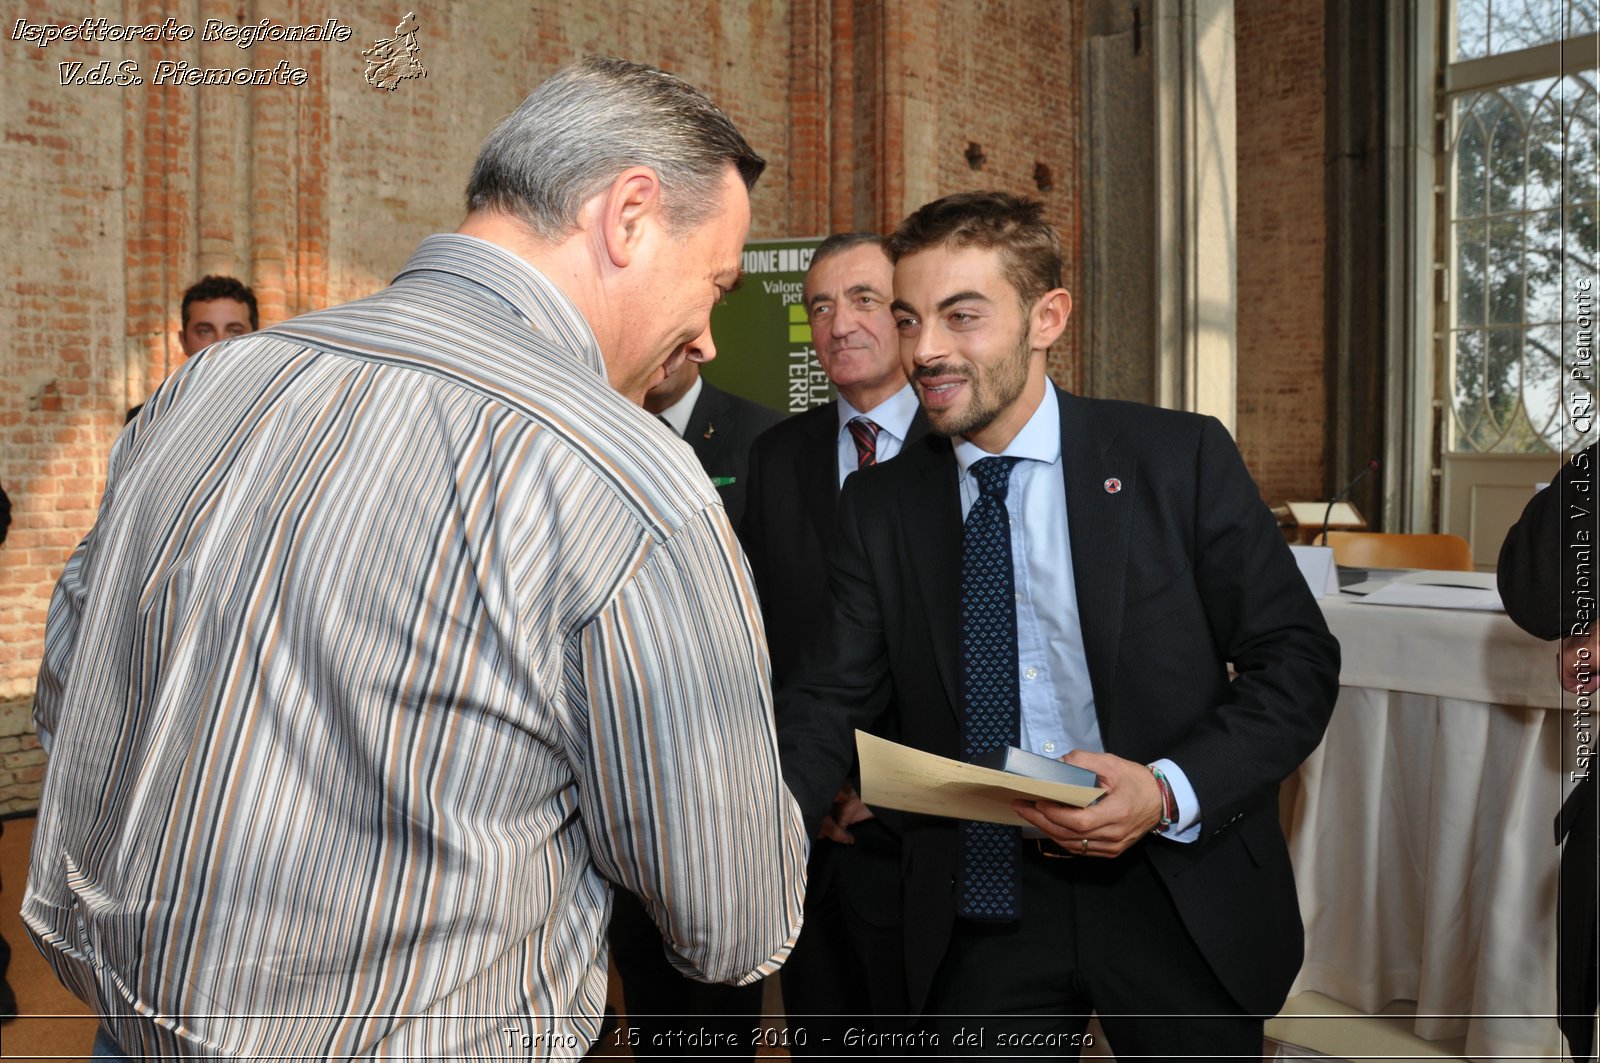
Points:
(214, 308)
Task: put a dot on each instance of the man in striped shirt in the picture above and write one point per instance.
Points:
(403, 629)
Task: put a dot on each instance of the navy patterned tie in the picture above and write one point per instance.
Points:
(990, 853)
(865, 433)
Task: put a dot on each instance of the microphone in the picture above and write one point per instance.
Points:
(1372, 463)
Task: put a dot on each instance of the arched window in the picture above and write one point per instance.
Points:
(1520, 113)
(1510, 336)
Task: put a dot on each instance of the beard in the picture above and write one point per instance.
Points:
(990, 390)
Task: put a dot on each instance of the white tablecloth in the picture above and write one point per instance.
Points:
(1422, 833)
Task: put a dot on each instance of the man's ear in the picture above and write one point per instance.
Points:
(1050, 315)
(629, 208)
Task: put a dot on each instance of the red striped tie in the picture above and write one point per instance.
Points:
(865, 433)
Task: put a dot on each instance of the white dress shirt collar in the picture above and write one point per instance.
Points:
(677, 415)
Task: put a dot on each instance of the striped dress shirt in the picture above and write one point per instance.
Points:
(398, 635)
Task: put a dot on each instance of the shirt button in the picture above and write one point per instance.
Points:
(1019, 596)
(1031, 673)
(1049, 747)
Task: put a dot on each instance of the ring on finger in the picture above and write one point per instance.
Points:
(1083, 846)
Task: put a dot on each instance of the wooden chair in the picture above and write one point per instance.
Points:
(1450, 553)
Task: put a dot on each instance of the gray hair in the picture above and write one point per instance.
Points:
(838, 243)
(590, 121)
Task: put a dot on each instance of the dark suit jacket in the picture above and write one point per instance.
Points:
(1547, 581)
(788, 528)
(721, 429)
(1535, 553)
(1179, 573)
(787, 533)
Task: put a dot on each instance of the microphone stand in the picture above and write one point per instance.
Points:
(1372, 464)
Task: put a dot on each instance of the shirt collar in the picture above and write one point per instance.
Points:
(515, 281)
(677, 415)
(1039, 440)
(894, 414)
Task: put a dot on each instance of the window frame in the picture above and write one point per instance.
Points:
(1421, 392)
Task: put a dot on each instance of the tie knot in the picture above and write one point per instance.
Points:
(993, 475)
(865, 433)
(864, 427)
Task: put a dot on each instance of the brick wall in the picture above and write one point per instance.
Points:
(62, 359)
(315, 194)
(1281, 388)
(1024, 54)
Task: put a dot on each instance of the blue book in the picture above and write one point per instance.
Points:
(1033, 766)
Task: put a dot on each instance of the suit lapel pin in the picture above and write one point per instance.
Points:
(1113, 485)
(711, 430)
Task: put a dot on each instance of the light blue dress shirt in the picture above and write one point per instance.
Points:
(1057, 698)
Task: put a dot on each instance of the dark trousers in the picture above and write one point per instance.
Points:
(106, 1048)
(1577, 929)
(847, 970)
(670, 1015)
(1095, 935)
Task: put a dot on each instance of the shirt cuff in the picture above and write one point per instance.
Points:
(1185, 828)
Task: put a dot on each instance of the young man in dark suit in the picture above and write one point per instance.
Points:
(845, 966)
(1076, 577)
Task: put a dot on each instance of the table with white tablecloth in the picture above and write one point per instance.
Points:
(1421, 830)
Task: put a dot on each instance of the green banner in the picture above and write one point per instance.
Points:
(763, 340)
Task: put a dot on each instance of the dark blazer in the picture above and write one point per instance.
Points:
(788, 527)
(721, 429)
(788, 533)
(1535, 553)
(1180, 572)
(846, 965)
(1547, 582)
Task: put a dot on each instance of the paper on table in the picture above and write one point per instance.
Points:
(1435, 597)
(897, 776)
(1483, 581)
(1379, 578)
(1317, 566)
